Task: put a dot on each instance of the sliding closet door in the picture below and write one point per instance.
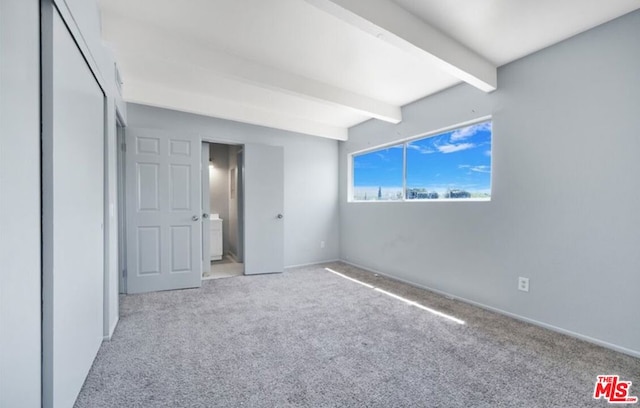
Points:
(72, 154)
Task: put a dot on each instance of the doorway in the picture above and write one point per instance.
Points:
(167, 197)
(223, 202)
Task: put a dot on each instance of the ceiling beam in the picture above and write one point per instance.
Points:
(391, 23)
(153, 42)
(160, 95)
(275, 79)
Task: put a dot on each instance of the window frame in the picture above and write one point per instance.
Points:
(404, 142)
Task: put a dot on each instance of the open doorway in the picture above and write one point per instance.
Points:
(223, 202)
(167, 228)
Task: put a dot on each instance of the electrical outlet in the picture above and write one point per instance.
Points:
(321, 244)
(523, 284)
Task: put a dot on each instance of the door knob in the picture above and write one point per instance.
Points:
(280, 216)
(205, 216)
(195, 218)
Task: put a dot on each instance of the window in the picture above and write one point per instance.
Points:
(454, 164)
(451, 165)
(378, 175)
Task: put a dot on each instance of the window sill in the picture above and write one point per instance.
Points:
(438, 200)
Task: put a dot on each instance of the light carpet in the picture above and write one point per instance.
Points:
(310, 338)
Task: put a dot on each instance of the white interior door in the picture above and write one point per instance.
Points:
(263, 209)
(164, 215)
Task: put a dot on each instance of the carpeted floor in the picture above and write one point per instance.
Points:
(311, 338)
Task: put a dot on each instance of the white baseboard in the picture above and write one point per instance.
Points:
(112, 329)
(312, 263)
(602, 343)
(233, 255)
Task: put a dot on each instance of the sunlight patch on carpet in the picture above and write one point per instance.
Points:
(349, 278)
(400, 298)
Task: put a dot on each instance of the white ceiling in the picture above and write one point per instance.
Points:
(321, 66)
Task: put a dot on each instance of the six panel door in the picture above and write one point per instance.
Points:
(164, 228)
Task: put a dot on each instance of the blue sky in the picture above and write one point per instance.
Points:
(457, 159)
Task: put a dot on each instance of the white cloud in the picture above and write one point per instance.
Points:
(421, 149)
(467, 132)
(477, 169)
(481, 169)
(462, 134)
(451, 148)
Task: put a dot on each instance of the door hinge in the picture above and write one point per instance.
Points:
(124, 273)
(124, 147)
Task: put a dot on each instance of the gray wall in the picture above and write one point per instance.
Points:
(20, 351)
(311, 176)
(564, 210)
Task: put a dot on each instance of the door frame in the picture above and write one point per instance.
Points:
(122, 252)
(206, 204)
(213, 140)
(241, 204)
(121, 200)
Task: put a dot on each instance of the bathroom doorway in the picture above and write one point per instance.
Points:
(223, 215)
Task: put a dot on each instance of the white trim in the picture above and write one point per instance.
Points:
(424, 135)
(427, 200)
(311, 264)
(588, 339)
(404, 171)
(112, 329)
(350, 190)
(233, 255)
(404, 142)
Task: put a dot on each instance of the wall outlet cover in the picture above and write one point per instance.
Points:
(523, 284)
